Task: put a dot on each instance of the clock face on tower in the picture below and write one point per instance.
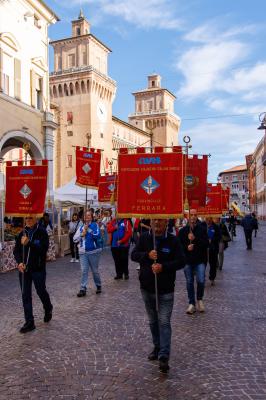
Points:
(101, 111)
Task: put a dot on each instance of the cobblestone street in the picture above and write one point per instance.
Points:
(96, 347)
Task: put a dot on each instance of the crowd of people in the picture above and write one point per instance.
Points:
(161, 247)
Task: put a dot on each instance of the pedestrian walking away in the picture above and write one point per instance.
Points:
(214, 235)
(248, 223)
(195, 242)
(121, 231)
(223, 245)
(89, 241)
(164, 262)
(30, 254)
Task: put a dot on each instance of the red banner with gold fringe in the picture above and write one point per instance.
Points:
(195, 178)
(225, 199)
(213, 201)
(107, 188)
(150, 184)
(88, 164)
(26, 187)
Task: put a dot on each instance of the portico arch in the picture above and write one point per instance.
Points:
(16, 139)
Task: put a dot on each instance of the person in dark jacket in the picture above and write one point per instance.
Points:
(248, 223)
(195, 242)
(30, 254)
(163, 258)
(256, 224)
(214, 235)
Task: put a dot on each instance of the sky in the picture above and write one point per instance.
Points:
(210, 53)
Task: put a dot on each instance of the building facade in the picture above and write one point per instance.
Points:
(82, 94)
(24, 79)
(236, 179)
(256, 163)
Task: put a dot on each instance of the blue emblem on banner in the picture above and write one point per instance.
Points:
(111, 187)
(26, 172)
(149, 185)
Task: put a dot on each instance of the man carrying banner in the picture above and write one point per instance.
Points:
(164, 262)
(30, 254)
(194, 240)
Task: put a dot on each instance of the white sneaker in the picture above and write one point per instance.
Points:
(72, 260)
(76, 260)
(191, 309)
(200, 306)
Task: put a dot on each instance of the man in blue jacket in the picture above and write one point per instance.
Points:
(163, 258)
(30, 254)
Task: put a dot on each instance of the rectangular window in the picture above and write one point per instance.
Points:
(101, 135)
(69, 133)
(6, 84)
(39, 93)
(70, 117)
(17, 78)
(84, 58)
(69, 161)
(71, 60)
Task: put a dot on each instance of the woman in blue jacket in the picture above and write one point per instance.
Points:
(88, 237)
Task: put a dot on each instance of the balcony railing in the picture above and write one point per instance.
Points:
(85, 68)
(153, 112)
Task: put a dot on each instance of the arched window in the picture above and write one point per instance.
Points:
(71, 89)
(54, 91)
(77, 89)
(60, 90)
(83, 89)
(66, 90)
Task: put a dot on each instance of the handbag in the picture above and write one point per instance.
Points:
(226, 238)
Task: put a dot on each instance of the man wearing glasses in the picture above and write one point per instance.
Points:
(30, 254)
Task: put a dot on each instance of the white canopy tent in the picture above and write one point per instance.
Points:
(74, 194)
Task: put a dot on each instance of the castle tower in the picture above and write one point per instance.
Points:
(82, 93)
(154, 111)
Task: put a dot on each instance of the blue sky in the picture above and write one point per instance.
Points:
(210, 53)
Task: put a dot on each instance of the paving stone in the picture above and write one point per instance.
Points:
(96, 347)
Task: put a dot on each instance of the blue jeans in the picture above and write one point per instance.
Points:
(160, 322)
(199, 271)
(38, 278)
(89, 261)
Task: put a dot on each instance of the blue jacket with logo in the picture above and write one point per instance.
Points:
(91, 238)
(170, 255)
(121, 230)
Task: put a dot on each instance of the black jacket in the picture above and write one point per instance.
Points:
(201, 243)
(170, 255)
(215, 240)
(35, 251)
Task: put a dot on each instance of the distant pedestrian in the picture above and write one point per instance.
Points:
(225, 239)
(88, 237)
(195, 242)
(30, 254)
(74, 225)
(121, 231)
(256, 224)
(248, 223)
(214, 236)
(164, 262)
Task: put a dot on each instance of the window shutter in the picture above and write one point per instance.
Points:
(33, 87)
(17, 80)
(1, 70)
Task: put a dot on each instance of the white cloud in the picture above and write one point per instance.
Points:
(204, 67)
(143, 14)
(246, 79)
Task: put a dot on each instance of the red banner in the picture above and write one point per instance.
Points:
(107, 188)
(88, 164)
(213, 201)
(150, 184)
(26, 189)
(195, 178)
(225, 199)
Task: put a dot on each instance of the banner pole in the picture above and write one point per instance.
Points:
(86, 201)
(155, 275)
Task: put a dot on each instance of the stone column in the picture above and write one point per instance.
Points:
(49, 126)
